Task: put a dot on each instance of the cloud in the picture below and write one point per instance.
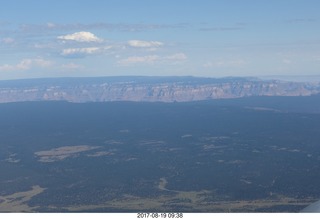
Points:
(139, 59)
(144, 44)
(76, 48)
(6, 67)
(287, 61)
(71, 66)
(301, 20)
(124, 27)
(221, 29)
(177, 57)
(51, 25)
(26, 64)
(235, 27)
(7, 40)
(151, 59)
(81, 37)
(79, 51)
(226, 63)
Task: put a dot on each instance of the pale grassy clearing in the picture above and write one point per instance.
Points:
(62, 153)
(100, 154)
(17, 202)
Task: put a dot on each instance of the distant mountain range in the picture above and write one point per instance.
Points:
(148, 89)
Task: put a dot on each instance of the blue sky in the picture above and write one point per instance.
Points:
(211, 38)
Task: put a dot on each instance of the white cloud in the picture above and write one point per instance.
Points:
(287, 61)
(139, 59)
(7, 40)
(26, 64)
(151, 59)
(81, 37)
(144, 44)
(71, 66)
(177, 57)
(51, 25)
(226, 63)
(80, 51)
(6, 67)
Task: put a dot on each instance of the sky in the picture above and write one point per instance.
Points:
(205, 38)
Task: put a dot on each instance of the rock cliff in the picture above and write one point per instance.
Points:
(150, 89)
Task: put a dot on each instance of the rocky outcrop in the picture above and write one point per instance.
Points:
(151, 89)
